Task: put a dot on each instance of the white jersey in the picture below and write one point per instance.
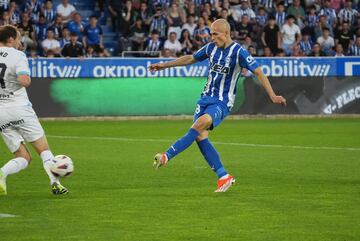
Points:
(12, 63)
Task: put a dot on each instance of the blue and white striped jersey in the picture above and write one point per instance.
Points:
(225, 66)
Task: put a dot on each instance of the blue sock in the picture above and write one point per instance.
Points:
(212, 157)
(183, 143)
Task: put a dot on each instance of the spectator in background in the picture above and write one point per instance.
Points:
(164, 4)
(5, 19)
(248, 42)
(211, 12)
(186, 41)
(159, 22)
(50, 54)
(261, 18)
(321, 25)
(33, 53)
(90, 52)
(311, 18)
(267, 52)
(231, 10)
(65, 37)
(336, 4)
(77, 25)
(153, 44)
(252, 51)
(316, 51)
(329, 12)
(280, 53)
(65, 10)
(4, 6)
(115, 8)
(93, 35)
(145, 15)
(173, 44)
(41, 28)
(128, 18)
(201, 33)
(14, 13)
(29, 33)
(73, 48)
(244, 10)
(49, 12)
(354, 50)
(271, 36)
(190, 8)
(305, 44)
(190, 24)
(244, 29)
(296, 52)
(138, 35)
(58, 27)
(339, 51)
(50, 43)
(326, 42)
(33, 7)
(291, 35)
(298, 12)
(280, 14)
(268, 5)
(206, 16)
(348, 13)
(225, 15)
(176, 18)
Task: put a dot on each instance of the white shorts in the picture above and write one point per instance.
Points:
(18, 124)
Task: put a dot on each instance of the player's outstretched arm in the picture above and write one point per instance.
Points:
(184, 60)
(277, 99)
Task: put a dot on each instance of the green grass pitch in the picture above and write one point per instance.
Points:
(284, 191)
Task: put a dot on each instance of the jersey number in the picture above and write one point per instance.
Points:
(2, 74)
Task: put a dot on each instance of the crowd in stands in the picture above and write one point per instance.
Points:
(53, 31)
(177, 27)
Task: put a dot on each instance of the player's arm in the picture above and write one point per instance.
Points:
(184, 60)
(267, 86)
(200, 55)
(23, 71)
(24, 80)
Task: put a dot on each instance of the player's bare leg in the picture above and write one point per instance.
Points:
(42, 148)
(20, 162)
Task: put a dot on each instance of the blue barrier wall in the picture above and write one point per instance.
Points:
(138, 67)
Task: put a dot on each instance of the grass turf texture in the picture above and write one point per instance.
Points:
(281, 193)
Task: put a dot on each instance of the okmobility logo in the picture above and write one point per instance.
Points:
(277, 68)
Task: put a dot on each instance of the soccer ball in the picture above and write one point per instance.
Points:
(62, 167)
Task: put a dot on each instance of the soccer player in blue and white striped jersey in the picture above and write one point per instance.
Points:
(226, 61)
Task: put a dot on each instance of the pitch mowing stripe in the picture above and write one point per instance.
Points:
(6, 215)
(215, 142)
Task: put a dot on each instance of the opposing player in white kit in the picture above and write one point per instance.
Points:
(18, 121)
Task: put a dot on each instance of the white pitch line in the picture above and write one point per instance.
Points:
(215, 142)
(6, 215)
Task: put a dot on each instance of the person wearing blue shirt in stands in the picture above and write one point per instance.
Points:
(77, 26)
(93, 35)
(226, 61)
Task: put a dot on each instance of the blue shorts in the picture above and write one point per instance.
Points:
(213, 107)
